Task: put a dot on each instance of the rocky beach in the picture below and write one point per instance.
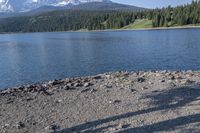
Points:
(115, 102)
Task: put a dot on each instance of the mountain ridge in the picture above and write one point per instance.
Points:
(90, 5)
(14, 6)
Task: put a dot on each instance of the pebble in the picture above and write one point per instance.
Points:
(172, 77)
(20, 125)
(84, 90)
(52, 128)
(144, 88)
(108, 86)
(162, 81)
(97, 77)
(77, 85)
(59, 101)
(141, 80)
(117, 101)
(123, 126)
(87, 85)
(133, 90)
(187, 82)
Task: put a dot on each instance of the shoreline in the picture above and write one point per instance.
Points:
(143, 101)
(110, 30)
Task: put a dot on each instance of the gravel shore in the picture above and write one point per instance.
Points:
(118, 102)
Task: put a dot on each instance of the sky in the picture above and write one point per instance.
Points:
(153, 3)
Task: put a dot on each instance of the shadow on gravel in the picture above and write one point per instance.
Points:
(161, 101)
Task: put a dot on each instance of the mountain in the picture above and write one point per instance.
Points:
(11, 8)
(8, 6)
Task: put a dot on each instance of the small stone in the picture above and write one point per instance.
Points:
(20, 125)
(77, 85)
(93, 90)
(144, 88)
(187, 82)
(6, 125)
(141, 80)
(9, 101)
(108, 86)
(162, 81)
(133, 90)
(87, 85)
(52, 128)
(84, 90)
(123, 126)
(150, 83)
(29, 99)
(97, 77)
(59, 101)
(172, 77)
(56, 82)
(112, 129)
(107, 76)
(117, 101)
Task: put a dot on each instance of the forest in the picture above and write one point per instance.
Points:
(72, 20)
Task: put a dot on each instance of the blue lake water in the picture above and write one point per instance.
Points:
(35, 57)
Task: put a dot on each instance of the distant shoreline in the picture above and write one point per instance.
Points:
(112, 30)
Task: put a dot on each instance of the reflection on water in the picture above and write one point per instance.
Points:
(30, 58)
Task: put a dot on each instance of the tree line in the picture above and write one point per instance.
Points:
(181, 15)
(99, 20)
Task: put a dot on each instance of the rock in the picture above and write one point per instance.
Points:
(84, 90)
(133, 90)
(5, 126)
(29, 99)
(97, 77)
(56, 82)
(162, 81)
(45, 92)
(150, 83)
(107, 76)
(187, 82)
(87, 84)
(172, 77)
(77, 85)
(163, 72)
(52, 128)
(112, 129)
(93, 90)
(110, 102)
(117, 101)
(141, 80)
(20, 125)
(144, 88)
(59, 101)
(123, 126)
(108, 86)
(70, 85)
(9, 101)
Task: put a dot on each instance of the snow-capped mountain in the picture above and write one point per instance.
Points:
(27, 5)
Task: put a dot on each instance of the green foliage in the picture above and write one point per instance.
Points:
(139, 23)
(72, 20)
(181, 15)
(68, 20)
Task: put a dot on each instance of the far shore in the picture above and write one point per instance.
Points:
(112, 30)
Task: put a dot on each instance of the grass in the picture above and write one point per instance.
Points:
(139, 24)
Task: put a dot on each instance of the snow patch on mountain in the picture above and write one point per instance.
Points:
(27, 5)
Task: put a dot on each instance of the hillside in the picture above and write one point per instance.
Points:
(68, 20)
(103, 16)
(105, 5)
(140, 23)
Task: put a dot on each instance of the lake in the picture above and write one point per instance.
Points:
(36, 57)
